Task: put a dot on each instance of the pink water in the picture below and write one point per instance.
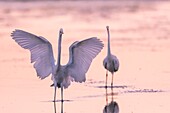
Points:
(139, 38)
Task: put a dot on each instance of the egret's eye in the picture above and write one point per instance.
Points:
(61, 31)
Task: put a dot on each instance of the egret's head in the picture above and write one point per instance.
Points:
(61, 31)
(107, 27)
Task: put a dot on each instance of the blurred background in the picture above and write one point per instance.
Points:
(140, 31)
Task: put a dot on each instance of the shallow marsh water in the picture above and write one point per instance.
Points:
(139, 38)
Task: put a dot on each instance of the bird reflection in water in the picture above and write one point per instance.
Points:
(111, 107)
(55, 109)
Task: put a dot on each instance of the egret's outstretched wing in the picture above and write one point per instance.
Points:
(81, 55)
(41, 51)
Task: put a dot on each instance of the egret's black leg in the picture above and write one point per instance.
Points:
(106, 78)
(62, 94)
(112, 81)
(55, 88)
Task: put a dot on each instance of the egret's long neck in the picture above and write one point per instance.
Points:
(59, 49)
(108, 51)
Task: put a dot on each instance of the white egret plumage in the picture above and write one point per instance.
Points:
(111, 62)
(81, 54)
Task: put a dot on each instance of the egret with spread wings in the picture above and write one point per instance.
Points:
(81, 54)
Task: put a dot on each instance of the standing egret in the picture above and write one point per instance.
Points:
(81, 54)
(110, 63)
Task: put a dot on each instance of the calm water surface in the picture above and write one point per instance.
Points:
(139, 37)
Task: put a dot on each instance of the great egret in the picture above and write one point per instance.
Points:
(110, 63)
(81, 54)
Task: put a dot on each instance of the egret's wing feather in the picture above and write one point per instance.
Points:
(41, 51)
(81, 55)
